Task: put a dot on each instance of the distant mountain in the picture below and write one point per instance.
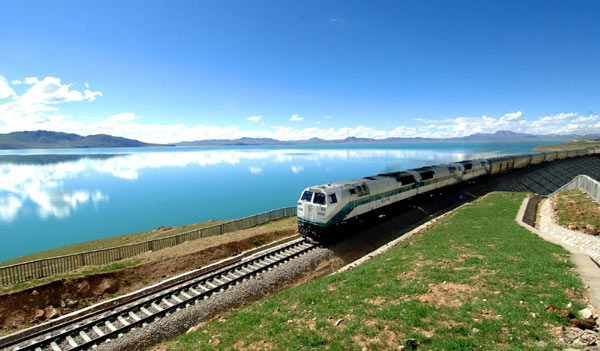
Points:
(503, 135)
(43, 139)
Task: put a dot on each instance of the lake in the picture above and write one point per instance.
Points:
(52, 198)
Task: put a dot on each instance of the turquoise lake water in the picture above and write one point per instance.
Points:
(52, 198)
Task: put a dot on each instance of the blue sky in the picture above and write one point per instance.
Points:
(166, 71)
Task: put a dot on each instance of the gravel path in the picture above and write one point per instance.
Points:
(584, 242)
(250, 290)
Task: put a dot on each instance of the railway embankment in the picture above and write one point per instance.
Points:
(38, 301)
(475, 280)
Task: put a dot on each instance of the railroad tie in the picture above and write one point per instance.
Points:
(123, 321)
(148, 313)
(110, 326)
(71, 341)
(202, 287)
(84, 336)
(135, 316)
(98, 330)
(55, 346)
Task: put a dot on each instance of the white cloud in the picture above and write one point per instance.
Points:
(297, 169)
(17, 82)
(38, 108)
(91, 95)
(5, 90)
(512, 116)
(587, 119)
(335, 21)
(122, 117)
(255, 170)
(87, 85)
(558, 117)
(51, 91)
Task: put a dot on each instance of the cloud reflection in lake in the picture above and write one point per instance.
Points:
(40, 179)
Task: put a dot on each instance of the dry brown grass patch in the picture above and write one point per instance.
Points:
(449, 294)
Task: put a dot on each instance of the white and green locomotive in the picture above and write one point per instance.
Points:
(324, 208)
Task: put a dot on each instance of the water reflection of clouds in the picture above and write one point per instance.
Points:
(42, 184)
(40, 178)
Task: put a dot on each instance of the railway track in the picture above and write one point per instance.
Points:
(111, 323)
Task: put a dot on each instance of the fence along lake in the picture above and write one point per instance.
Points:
(56, 197)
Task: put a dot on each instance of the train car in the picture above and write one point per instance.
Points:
(324, 208)
(471, 169)
(538, 158)
(501, 164)
(550, 156)
(522, 161)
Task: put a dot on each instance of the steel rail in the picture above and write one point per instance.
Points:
(93, 332)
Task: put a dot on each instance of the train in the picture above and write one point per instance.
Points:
(323, 209)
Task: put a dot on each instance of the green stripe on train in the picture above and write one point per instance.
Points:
(350, 206)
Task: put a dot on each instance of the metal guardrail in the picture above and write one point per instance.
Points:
(22, 272)
(583, 182)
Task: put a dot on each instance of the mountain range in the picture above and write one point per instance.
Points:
(503, 135)
(42, 139)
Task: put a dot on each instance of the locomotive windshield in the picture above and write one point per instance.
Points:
(319, 199)
(306, 196)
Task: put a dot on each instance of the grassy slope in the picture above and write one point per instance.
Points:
(471, 282)
(579, 144)
(109, 242)
(578, 211)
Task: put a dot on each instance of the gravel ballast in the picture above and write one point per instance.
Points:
(250, 290)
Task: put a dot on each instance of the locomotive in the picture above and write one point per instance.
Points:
(324, 208)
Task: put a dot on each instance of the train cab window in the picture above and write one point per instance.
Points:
(407, 179)
(467, 166)
(333, 198)
(427, 175)
(307, 196)
(352, 191)
(319, 199)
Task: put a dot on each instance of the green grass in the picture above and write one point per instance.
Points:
(576, 144)
(474, 281)
(578, 211)
(108, 242)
